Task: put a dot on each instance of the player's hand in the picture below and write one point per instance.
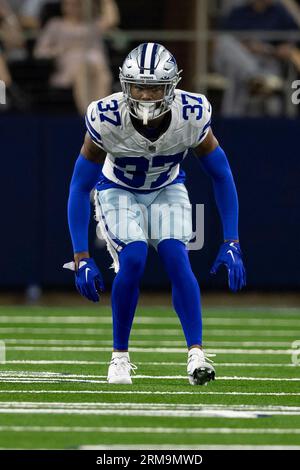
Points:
(230, 255)
(88, 279)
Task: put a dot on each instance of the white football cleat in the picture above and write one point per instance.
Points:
(199, 368)
(119, 370)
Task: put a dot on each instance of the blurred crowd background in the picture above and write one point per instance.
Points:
(58, 56)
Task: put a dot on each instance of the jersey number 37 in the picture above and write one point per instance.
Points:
(112, 106)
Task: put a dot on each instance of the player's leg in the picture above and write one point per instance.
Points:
(119, 225)
(185, 289)
(125, 291)
(172, 208)
(187, 304)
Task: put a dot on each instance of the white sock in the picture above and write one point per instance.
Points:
(195, 351)
(120, 354)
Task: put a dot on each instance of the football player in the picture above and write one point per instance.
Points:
(131, 155)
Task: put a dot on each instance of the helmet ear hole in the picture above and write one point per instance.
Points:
(150, 64)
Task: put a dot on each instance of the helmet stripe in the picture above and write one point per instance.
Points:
(142, 66)
(153, 58)
(148, 57)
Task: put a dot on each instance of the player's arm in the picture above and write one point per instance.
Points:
(86, 174)
(208, 145)
(215, 164)
(91, 151)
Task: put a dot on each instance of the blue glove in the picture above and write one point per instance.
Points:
(88, 279)
(230, 255)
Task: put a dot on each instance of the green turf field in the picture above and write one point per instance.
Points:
(54, 393)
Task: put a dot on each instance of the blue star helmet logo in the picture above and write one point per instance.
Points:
(172, 59)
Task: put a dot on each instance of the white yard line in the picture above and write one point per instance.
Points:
(146, 413)
(247, 332)
(149, 430)
(58, 380)
(54, 319)
(56, 362)
(251, 321)
(143, 406)
(49, 380)
(75, 342)
(205, 413)
(249, 364)
(101, 363)
(210, 408)
(50, 330)
(244, 332)
(241, 321)
(154, 392)
(24, 375)
(152, 350)
(56, 331)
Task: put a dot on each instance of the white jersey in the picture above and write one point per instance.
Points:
(132, 160)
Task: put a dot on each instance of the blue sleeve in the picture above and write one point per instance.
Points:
(217, 167)
(85, 177)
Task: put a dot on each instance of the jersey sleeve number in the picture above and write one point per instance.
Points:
(112, 107)
(190, 106)
(136, 168)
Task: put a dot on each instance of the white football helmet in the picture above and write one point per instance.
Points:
(149, 64)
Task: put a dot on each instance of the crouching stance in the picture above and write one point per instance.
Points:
(133, 148)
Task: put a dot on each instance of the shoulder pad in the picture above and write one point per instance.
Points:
(197, 112)
(92, 122)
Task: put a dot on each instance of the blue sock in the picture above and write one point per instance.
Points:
(125, 291)
(185, 289)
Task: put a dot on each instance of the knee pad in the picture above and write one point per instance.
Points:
(133, 257)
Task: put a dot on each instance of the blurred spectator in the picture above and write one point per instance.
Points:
(11, 45)
(30, 12)
(11, 31)
(253, 66)
(77, 46)
(226, 5)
